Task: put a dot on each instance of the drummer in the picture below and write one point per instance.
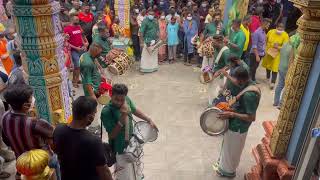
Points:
(89, 69)
(116, 116)
(221, 61)
(102, 39)
(239, 122)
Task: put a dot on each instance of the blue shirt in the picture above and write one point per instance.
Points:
(172, 30)
(259, 41)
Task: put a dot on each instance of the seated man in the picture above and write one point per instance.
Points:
(240, 120)
(80, 153)
(116, 116)
(33, 133)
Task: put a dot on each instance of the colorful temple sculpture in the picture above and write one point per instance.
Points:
(233, 9)
(39, 27)
(287, 140)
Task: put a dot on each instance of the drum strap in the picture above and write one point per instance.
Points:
(252, 88)
(220, 54)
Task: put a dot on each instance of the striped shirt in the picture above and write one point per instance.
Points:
(23, 133)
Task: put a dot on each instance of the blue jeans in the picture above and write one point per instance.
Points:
(279, 88)
(54, 163)
(76, 57)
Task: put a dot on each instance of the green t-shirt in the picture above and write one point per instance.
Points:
(149, 30)
(110, 116)
(105, 48)
(248, 104)
(223, 61)
(89, 73)
(234, 89)
(238, 38)
(211, 29)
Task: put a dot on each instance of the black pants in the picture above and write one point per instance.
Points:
(272, 74)
(253, 64)
(136, 47)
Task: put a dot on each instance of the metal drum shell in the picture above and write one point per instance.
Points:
(203, 119)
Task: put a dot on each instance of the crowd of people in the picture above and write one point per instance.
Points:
(160, 31)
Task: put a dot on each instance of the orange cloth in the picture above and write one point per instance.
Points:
(7, 62)
(108, 21)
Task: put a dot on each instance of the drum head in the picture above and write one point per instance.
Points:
(211, 124)
(145, 132)
(205, 77)
(104, 99)
(113, 69)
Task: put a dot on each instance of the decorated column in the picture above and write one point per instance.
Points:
(39, 28)
(270, 154)
(309, 30)
(233, 9)
(122, 10)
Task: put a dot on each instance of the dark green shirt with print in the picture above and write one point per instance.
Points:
(238, 38)
(211, 29)
(89, 73)
(223, 61)
(105, 48)
(248, 104)
(110, 115)
(149, 30)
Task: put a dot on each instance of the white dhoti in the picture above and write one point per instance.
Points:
(149, 62)
(126, 170)
(207, 62)
(214, 88)
(232, 146)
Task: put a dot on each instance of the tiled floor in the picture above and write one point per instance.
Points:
(174, 98)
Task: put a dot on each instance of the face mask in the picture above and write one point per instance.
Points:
(161, 3)
(279, 32)
(93, 8)
(189, 18)
(162, 17)
(150, 17)
(136, 10)
(189, 4)
(232, 29)
(173, 22)
(204, 5)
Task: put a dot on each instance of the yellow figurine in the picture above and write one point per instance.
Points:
(33, 165)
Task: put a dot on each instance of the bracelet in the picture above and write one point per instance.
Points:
(120, 124)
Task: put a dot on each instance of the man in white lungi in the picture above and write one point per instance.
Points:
(221, 61)
(149, 31)
(117, 119)
(239, 122)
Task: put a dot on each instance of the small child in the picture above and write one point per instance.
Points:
(173, 39)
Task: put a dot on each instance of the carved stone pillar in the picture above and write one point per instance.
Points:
(38, 24)
(309, 30)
